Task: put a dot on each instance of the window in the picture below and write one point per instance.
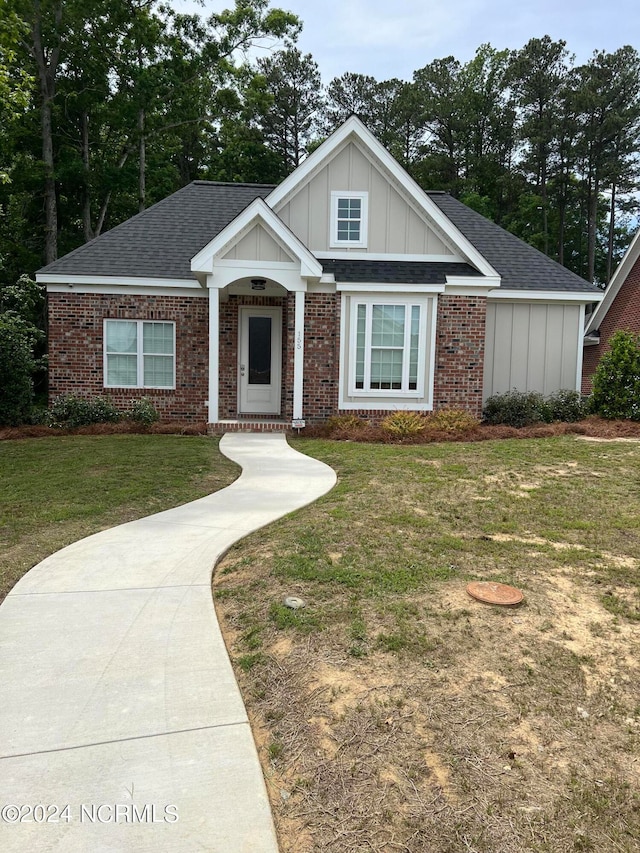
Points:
(349, 219)
(139, 354)
(388, 339)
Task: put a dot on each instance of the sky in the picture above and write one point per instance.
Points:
(393, 38)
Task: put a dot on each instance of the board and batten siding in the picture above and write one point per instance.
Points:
(531, 346)
(257, 245)
(394, 225)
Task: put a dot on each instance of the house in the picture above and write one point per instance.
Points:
(619, 309)
(346, 288)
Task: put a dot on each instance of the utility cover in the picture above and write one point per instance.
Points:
(494, 593)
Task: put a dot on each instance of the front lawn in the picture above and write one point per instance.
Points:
(394, 712)
(54, 491)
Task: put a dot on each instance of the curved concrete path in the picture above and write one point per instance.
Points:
(118, 698)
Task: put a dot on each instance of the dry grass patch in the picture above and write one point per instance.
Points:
(396, 713)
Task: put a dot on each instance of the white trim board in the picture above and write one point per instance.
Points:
(124, 290)
(114, 280)
(543, 296)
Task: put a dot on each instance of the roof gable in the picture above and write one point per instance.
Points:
(619, 277)
(354, 130)
(256, 214)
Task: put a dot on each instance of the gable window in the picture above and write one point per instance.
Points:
(389, 343)
(349, 219)
(139, 354)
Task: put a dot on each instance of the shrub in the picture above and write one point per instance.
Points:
(517, 409)
(452, 421)
(567, 406)
(404, 424)
(18, 338)
(616, 382)
(143, 412)
(344, 423)
(70, 411)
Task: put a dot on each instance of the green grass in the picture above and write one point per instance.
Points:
(57, 490)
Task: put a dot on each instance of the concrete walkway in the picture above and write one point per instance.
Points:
(118, 700)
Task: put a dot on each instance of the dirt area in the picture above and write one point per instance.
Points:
(481, 744)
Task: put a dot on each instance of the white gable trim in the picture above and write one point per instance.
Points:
(256, 213)
(617, 280)
(353, 127)
(543, 296)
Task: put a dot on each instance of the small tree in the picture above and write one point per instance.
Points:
(616, 382)
(17, 365)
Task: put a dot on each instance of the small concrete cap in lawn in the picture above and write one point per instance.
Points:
(294, 602)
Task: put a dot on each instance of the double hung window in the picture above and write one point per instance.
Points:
(349, 219)
(388, 338)
(139, 354)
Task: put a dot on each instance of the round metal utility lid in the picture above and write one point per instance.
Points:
(494, 593)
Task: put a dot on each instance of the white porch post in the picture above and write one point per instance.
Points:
(214, 349)
(298, 356)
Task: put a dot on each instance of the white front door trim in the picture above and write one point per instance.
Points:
(259, 399)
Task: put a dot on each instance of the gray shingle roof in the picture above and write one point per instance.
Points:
(160, 241)
(396, 272)
(521, 267)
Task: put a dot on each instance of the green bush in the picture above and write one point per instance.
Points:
(18, 338)
(143, 412)
(517, 409)
(70, 411)
(568, 406)
(616, 382)
(404, 424)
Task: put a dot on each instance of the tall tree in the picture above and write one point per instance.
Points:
(293, 81)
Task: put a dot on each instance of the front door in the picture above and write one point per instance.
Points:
(259, 370)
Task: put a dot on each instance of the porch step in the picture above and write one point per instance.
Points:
(249, 425)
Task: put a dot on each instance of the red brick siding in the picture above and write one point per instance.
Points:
(76, 348)
(624, 313)
(460, 336)
(321, 356)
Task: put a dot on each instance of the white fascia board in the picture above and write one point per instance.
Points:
(354, 127)
(473, 281)
(617, 280)
(543, 296)
(116, 281)
(337, 255)
(321, 287)
(391, 289)
(258, 212)
(115, 290)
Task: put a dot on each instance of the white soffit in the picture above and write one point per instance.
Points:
(354, 130)
(256, 213)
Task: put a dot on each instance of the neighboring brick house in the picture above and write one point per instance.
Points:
(346, 288)
(619, 309)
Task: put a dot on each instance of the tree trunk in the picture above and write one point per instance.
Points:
(612, 232)
(592, 214)
(47, 69)
(86, 164)
(142, 166)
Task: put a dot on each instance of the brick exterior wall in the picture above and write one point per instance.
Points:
(460, 336)
(76, 351)
(76, 348)
(623, 313)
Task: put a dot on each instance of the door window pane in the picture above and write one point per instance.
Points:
(259, 350)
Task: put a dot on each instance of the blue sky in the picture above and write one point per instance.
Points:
(392, 38)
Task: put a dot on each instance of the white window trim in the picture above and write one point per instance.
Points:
(408, 304)
(334, 243)
(139, 354)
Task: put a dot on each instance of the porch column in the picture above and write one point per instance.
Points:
(214, 350)
(298, 356)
